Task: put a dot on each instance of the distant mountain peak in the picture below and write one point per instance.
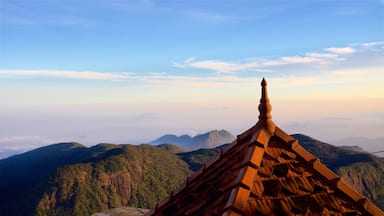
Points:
(209, 139)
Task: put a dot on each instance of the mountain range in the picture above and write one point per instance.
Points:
(71, 179)
(210, 139)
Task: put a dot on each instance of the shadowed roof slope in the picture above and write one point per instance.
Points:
(265, 172)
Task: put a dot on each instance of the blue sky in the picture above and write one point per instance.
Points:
(146, 36)
(128, 71)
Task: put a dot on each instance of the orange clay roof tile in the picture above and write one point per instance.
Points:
(265, 172)
(246, 177)
(254, 156)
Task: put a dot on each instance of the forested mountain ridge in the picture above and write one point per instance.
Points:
(132, 175)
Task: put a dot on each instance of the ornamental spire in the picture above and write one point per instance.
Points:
(265, 108)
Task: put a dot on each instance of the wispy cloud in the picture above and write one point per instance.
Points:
(374, 43)
(319, 70)
(85, 75)
(325, 60)
(215, 65)
(341, 50)
(259, 65)
(349, 58)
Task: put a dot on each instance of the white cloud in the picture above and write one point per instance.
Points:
(259, 65)
(357, 55)
(354, 55)
(374, 43)
(87, 75)
(219, 66)
(341, 50)
(362, 68)
(215, 65)
(298, 59)
(323, 55)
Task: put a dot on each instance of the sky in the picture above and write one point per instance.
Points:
(130, 71)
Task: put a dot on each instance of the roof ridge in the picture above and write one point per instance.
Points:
(250, 164)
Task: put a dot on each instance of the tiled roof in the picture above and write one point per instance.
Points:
(265, 172)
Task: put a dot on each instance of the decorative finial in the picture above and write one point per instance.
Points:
(265, 108)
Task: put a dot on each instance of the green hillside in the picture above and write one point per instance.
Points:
(39, 163)
(70, 179)
(132, 175)
(22, 175)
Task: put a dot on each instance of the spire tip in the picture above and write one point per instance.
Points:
(263, 82)
(265, 108)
